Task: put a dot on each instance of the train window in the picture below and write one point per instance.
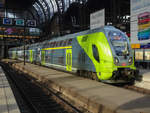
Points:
(60, 43)
(51, 44)
(67, 42)
(83, 58)
(54, 44)
(95, 52)
(47, 45)
(70, 41)
(64, 43)
(119, 43)
(57, 44)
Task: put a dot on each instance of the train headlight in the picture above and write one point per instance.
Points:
(116, 61)
(130, 60)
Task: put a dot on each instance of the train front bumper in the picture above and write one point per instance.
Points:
(126, 74)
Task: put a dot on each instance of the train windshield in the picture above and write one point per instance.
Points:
(119, 43)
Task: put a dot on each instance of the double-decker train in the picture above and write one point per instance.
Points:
(142, 58)
(103, 54)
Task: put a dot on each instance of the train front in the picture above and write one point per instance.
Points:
(122, 55)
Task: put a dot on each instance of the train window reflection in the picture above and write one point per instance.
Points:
(119, 43)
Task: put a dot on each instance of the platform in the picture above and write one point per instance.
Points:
(7, 100)
(145, 83)
(92, 95)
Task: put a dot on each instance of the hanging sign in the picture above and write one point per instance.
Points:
(31, 23)
(19, 22)
(7, 21)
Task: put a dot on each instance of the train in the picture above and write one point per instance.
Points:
(103, 54)
(142, 58)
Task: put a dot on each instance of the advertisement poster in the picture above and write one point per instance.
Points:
(140, 21)
(13, 31)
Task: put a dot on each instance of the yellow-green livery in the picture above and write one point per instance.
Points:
(103, 54)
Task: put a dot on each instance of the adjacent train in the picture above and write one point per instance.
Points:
(142, 58)
(103, 54)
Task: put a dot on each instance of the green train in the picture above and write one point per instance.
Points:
(103, 54)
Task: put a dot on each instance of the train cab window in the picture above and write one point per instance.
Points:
(119, 43)
(95, 52)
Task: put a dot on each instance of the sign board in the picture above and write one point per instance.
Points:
(34, 31)
(31, 23)
(19, 22)
(7, 21)
(140, 21)
(97, 19)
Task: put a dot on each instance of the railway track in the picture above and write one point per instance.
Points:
(32, 99)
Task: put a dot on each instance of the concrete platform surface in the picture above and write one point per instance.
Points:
(145, 83)
(7, 100)
(92, 95)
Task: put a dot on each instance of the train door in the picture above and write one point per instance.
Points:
(31, 55)
(69, 59)
(43, 57)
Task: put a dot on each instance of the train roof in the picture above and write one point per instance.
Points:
(82, 33)
(69, 36)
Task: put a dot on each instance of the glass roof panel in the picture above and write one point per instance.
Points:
(44, 7)
(40, 12)
(51, 7)
(55, 6)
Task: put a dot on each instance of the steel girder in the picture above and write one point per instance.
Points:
(36, 13)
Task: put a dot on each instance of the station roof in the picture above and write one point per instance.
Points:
(45, 9)
(72, 15)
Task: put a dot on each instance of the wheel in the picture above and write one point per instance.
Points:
(94, 76)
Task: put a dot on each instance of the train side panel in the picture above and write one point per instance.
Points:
(104, 62)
